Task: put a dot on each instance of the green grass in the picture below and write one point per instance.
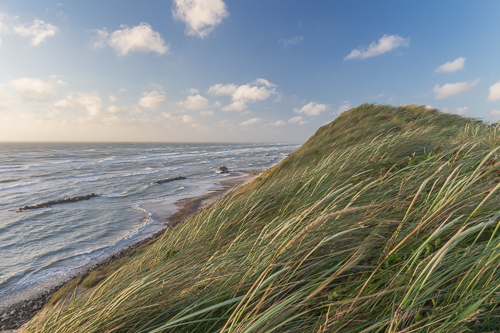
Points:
(386, 220)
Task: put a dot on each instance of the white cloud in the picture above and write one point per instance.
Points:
(122, 90)
(312, 109)
(277, 123)
(494, 92)
(152, 100)
(112, 98)
(452, 89)
(261, 81)
(460, 111)
(452, 66)
(247, 93)
(141, 38)
(207, 113)
(195, 102)
(184, 118)
(168, 115)
(297, 120)
(6, 98)
(113, 109)
(187, 119)
(91, 101)
(344, 107)
(222, 89)
(38, 31)
(385, 44)
(200, 16)
(291, 41)
(35, 89)
(495, 113)
(235, 106)
(259, 90)
(252, 121)
(111, 121)
(65, 103)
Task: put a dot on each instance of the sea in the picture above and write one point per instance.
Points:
(39, 248)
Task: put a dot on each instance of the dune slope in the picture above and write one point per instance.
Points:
(386, 220)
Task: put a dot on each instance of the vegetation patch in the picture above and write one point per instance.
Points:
(386, 220)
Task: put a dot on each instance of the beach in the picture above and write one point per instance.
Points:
(169, 212)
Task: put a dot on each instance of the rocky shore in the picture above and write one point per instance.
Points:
(58, 202)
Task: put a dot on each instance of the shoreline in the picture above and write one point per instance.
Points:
(17, 314)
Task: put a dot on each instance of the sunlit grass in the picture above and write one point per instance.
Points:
(386, 220)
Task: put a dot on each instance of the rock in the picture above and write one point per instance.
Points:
(61, 201)
(222, 169)
(158, 182)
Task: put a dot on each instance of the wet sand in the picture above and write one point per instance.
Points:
(20, 313)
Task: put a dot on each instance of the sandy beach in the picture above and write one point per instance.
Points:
(167, 213)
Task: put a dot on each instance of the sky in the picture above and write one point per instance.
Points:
(236, 70)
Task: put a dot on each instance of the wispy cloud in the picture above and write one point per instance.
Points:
(276, 123)
(200, 16)
(5, 98)
(495, 113)
(452, 89)
(344, 107)
(385, 44)
(312, 109)
(297, 120)
(252, 121)
(287, 42)
(452, 66)
(38, 31)
(33, 90)
(460, 111)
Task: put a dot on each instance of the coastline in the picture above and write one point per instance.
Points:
(17, 314)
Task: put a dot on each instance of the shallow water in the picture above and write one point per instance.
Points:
(43, 244)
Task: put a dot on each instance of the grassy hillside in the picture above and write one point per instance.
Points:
(386, 220)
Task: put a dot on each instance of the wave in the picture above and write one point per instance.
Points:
(62, 162)
(112, 158)
(115, 194)
(21, 185)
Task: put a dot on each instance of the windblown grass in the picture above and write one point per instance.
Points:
(386, 220)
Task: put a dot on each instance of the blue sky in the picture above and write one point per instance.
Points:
(227, 70)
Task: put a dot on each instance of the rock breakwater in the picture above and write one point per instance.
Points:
(168, 180)
(58, 202)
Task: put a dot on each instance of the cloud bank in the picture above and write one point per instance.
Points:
(451, 67)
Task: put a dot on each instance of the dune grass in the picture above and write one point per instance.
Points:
(386, 220)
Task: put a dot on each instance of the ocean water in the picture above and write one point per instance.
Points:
(40, 246)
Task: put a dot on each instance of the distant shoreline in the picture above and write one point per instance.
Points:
(19, 313)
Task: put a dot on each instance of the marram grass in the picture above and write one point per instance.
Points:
(386, 220)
